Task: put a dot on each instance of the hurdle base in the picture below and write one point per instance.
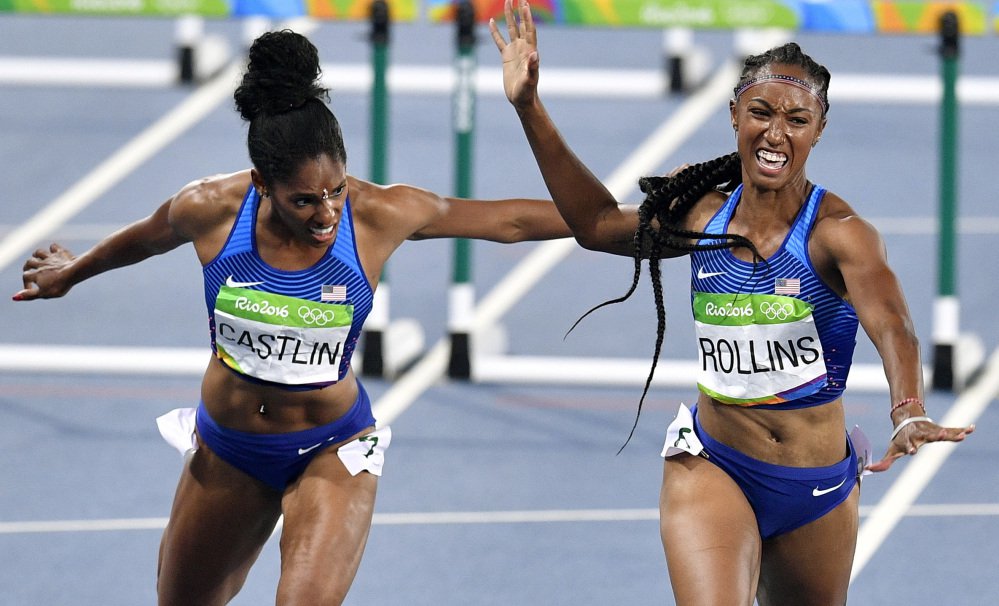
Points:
(386, 354)
(956, 365)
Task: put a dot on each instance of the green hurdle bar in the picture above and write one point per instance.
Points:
(373, 350)
(461, 296)
(946, 308)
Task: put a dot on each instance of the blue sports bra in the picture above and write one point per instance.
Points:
(293, 329)
(771, 335)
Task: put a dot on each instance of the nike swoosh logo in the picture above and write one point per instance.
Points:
(234, 284)
(303, 451)
(816, 492)
(701, 274)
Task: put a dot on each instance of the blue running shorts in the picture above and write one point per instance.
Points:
(278, 459)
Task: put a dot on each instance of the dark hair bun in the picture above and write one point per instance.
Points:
(282, 74)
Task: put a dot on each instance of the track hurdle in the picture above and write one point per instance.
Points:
(955, 356)
(461, 295)
(386, 345)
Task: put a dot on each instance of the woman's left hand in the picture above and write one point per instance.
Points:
(913, 436)
(520, 54)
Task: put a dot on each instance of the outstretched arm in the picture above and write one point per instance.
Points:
(596, 219)
(53, 271)
(875, 293)
(507, 221)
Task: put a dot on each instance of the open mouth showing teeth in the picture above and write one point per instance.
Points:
(772, 160)
(322, 231)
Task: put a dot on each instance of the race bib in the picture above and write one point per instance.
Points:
(757, 349)
(280, 339)
(366, 453)
(680, 436)
(177, 429)
(865, 454)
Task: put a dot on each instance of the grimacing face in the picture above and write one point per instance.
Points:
(777, 123)
(310, 203)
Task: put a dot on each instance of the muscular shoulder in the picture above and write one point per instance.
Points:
(202, 206)
(841, 238)
(838, 225)
(397, 208)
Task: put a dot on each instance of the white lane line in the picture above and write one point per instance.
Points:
(105, 525)
(426, 518)
(410, 385)
(119, 165)
(918, 472)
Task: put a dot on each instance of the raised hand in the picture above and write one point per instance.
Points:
(916, 432)
(42, 274)
(520, 54)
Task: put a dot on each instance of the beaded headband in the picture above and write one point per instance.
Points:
(788, 80)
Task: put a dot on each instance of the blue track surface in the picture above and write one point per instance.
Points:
(85, 447)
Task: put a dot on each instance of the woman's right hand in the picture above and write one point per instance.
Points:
(520, 55)
(43, 275)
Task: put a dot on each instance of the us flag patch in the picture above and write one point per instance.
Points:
(787, 286)
(333, 292)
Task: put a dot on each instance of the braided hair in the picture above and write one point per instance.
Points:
(282, 99)
(668, 200)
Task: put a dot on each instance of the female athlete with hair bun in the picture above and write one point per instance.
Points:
(292, 249)
(761, 484)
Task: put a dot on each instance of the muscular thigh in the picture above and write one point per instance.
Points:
(327, 516)
(709, 534)
(220, 520)
(811, 564)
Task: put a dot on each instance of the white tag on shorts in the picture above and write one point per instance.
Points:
(366, 453)
(177, 428)
(680, 436)
(865, 454)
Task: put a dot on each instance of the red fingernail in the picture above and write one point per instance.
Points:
(17, 297)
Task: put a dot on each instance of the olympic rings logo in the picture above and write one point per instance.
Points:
(776, 311)
(316, 317)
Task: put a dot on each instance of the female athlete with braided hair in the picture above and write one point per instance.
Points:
(291, 249)
(761, 482)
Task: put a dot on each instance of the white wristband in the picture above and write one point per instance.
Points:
(906, 422)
